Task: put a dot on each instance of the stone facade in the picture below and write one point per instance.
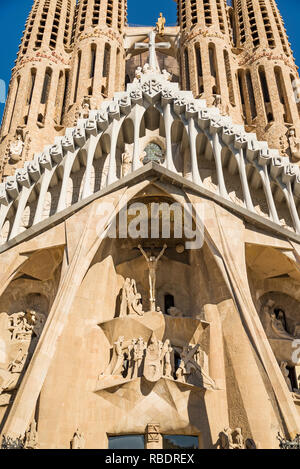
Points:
(150, 240)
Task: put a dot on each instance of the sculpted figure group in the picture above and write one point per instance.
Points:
(25, 328)
(233, 439)
(156, 359)
(131, 300)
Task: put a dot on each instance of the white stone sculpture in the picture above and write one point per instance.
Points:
(131, 300)
(126, 163)
(138, 75)
(167, 75)
(31, 437)
(294, 143)
(78, 441)
(16, 149)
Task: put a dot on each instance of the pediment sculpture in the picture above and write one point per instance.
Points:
(155, 359)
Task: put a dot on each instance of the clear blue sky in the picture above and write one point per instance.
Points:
(13, 14)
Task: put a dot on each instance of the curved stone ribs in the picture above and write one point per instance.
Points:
(173, 104)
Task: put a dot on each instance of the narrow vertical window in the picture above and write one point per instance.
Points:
(93, 61)
(187, 70)
(106, 61)
(46, 86)
(266, 94)
(65, 96)
(251, 94)
(15, 101)
(77, 75)
(282, 95)
(31, 88)
(213, 68)
(199, 68)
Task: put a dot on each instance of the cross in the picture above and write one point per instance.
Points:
(152, 46)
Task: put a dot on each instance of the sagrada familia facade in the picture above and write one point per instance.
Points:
(149, 230)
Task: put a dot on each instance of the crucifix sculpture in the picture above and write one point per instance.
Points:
(152, 262)
(152, 46)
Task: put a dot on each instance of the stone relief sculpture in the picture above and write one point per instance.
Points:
(152, 262)
(31, 437)
(78, 441)
(126, 163)
(154, 360)
(25, 328)
(131, 300)
(232, 439)
(25, 324)
(285, 372)
(275, 326)
(16, 149)
(294, 144)
(193, 367)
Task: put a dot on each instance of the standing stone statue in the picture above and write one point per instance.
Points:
(131, 300)
(285, 372)
(77, 441)
(152, 262)
(166, 354)
(16, 149)
(126, 163)
(294, 144)
(138, 357)
(31, 438)
(120, 356)
(160, 25)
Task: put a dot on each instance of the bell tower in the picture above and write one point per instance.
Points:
(206, 58)
(266, 72)
(35, 104)
(98, 61)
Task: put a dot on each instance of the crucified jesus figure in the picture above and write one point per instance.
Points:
(152, 262)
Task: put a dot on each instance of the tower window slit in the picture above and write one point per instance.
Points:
(77, 75)
(46, 86)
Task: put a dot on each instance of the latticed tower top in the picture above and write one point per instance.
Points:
(49, 25)
(259, 23)
(105, 13)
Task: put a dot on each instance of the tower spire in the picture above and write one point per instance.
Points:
(35, 101)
